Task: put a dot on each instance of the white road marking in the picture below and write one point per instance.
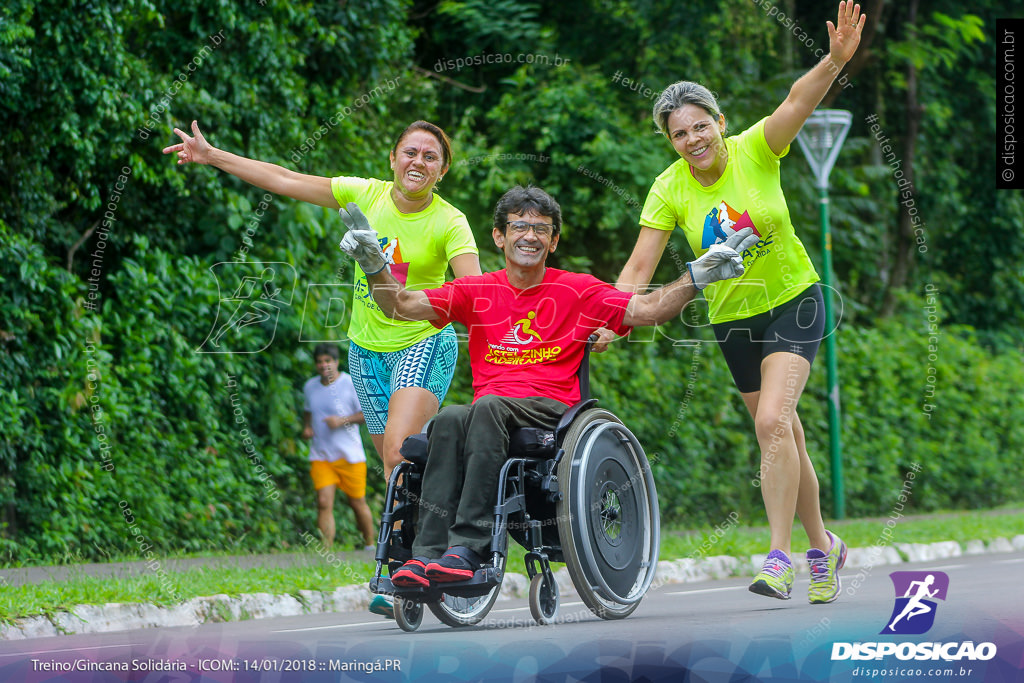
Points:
(327, 628)
(709, 590)
(67, 649)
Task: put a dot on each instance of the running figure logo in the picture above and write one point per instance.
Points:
(914, 611)
(247, 318)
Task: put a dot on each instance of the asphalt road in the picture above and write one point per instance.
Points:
(714, 631)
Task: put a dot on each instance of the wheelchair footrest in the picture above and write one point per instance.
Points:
(482, 582)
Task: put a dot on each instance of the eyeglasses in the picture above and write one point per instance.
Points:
(539, 229)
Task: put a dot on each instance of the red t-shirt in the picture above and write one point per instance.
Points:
(529, 342)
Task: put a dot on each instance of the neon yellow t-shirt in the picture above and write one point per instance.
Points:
(749, 194)
(417, 245)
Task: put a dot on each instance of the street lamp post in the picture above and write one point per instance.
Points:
(821, 138)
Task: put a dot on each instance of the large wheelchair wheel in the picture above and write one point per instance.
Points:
(458, 611)
(608, 516)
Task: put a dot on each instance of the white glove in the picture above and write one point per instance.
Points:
(723, 260)
(360, 242)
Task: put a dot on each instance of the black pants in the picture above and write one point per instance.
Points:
(797, 326)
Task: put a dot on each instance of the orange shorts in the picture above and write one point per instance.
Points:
(350, 477)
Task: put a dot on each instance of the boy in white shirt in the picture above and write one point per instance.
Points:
(332, 417)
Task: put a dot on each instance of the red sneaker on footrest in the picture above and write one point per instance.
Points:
(411, 575)
(458, 564)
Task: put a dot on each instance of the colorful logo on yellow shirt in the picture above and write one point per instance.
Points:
(393, 255)
(724, 216)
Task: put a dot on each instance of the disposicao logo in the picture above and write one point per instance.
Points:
(914, 614)
(916, 593)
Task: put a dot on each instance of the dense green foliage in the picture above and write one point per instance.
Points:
(110, 292)
(962, 427)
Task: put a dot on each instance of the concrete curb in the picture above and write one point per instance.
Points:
(221, 608)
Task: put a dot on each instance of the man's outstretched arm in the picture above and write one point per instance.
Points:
(720, 262)
(395, 301)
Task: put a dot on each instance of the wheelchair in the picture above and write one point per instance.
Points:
(582, 494)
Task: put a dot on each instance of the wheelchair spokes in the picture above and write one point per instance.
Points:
(457, 610)
(611, 515)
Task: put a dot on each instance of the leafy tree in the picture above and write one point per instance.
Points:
(109, 251)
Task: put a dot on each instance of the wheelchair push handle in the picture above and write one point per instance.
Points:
(584, 371)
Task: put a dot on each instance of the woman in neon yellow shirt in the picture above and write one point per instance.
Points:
(401, 370)
(769, 321)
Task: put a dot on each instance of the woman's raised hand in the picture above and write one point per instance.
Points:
(844, 35)
(192, 148)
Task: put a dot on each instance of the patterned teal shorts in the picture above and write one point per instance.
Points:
(428, 364)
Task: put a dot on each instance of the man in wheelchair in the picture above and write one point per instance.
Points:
(528, 327)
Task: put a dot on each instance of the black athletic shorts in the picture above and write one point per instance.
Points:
(797, 326)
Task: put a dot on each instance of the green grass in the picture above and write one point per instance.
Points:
(166, 588)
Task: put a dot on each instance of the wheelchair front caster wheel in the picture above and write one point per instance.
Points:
(408, 614)
(543, 598)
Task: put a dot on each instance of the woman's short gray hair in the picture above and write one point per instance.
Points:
(680, 94)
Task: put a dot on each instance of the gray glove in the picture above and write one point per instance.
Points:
(723, 260)
(360, 242)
